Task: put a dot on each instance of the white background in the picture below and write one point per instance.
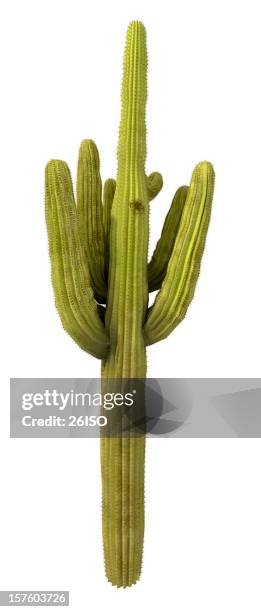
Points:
(61, 77)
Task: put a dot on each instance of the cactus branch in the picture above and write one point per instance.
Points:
(158, 264)
(154, 184)
(90, 215)
(178, 287)
(108, 195)
(71, 281)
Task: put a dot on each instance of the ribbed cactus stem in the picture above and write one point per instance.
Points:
(123, 494)
(128, 284)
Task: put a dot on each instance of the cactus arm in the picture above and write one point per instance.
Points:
(178, 287)
(90, 215)
(158, 264)
(108, 195)
(70, 278)
(154, 184)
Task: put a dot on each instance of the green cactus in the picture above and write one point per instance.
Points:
(101, 281)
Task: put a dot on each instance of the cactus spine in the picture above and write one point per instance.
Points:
(101, 280)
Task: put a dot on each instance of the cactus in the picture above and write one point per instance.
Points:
(102, 279)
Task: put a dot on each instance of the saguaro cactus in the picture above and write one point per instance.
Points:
(101, 279)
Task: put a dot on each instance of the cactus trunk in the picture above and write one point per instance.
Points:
(122, 458)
